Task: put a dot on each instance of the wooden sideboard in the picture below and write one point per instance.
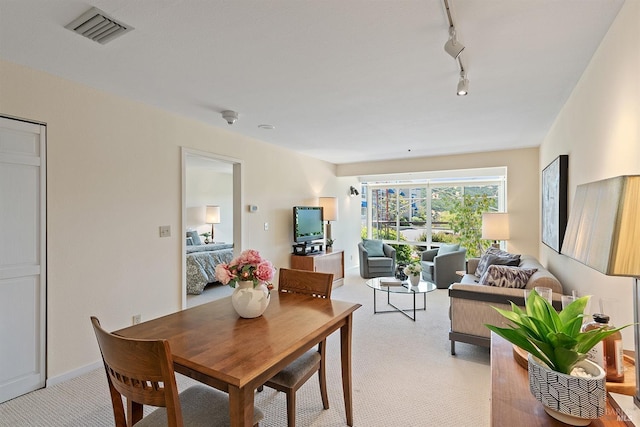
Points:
(323, 262)
(512, 404)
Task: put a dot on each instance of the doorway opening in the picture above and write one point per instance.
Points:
(210, 183)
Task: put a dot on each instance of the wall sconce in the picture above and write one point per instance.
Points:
(353, 191)
(213, 217)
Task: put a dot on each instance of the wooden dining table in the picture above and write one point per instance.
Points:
(212, 344)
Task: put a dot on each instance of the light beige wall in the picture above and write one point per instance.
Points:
(522, 185)
(113, 177)
(599, 128)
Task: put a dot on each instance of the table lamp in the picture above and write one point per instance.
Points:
(495, 226)
(603, 233)
(329, 212)
(213, 217)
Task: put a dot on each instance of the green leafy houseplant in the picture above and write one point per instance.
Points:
(554, 338)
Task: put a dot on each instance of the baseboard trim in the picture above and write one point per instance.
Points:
(51, 381)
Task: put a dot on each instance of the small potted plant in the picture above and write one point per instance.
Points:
(413, 271)
(558, 366)
(330, 244)
(206, 237)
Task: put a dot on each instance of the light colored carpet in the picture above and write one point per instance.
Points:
(403, 375)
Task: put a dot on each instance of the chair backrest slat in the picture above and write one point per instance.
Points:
(305, 282)
(141, 371)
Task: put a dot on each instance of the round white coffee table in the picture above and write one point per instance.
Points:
(391, 285)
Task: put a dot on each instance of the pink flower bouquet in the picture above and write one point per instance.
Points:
(249, 266)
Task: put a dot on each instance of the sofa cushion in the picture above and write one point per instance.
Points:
(496, 256)
(507, 277)
(373, 247)
(375, 262)
(446, 248)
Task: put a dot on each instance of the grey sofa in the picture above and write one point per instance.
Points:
(471, 304)
(376, 266)
(441, 269)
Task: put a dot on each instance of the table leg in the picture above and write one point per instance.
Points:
(345, 352)
(241, 406)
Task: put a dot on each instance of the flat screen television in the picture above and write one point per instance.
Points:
(307, 224)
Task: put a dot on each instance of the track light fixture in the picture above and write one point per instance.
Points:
(463, 84)
(453, 47)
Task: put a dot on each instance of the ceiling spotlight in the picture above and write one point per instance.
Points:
(353, 191)
(230, 116)
(463, 84)
(453, 47)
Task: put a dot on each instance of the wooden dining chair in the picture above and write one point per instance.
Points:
(291, 378)
(142, 372)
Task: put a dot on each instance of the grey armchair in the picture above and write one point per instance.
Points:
(377, 266)
(439, 265)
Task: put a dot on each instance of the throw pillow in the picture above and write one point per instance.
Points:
(373, 247)
(195, 239)
(496, 256)
(507, 277)
(448, 248)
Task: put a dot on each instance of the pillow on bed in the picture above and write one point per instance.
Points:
(195, 239)
(189, 241)
(507, 277)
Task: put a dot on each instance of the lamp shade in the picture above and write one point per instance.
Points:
(213, 215)
(329, 208)
(603, 231)
(495, 226)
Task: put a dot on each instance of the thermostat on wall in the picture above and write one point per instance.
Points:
(253, 208)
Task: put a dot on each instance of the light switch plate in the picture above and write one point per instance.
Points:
(165, 231)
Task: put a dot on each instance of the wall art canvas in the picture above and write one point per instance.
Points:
(554, 202)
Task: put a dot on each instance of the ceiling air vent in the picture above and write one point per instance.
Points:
(98, 26)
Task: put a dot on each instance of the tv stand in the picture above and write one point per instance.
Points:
(323, 262)
(307, 248)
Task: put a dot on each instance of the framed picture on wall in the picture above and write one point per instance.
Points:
(554, 202)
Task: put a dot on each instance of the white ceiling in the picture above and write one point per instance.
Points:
(341, 80)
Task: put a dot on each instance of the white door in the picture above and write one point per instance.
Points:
(22, 257)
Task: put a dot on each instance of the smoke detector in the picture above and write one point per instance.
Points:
(230, 116)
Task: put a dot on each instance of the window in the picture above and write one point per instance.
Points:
(424, 212)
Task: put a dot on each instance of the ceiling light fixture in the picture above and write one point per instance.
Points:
(454, 48)
(463, 84)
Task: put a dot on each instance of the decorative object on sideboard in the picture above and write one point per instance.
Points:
(329, 213)
(558, 368)
(554, 202)
(495, 226)
(213, 217)
(603, 233)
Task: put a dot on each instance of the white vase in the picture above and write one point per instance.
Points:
(414, 279)
(572, 400)
(250, 302)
